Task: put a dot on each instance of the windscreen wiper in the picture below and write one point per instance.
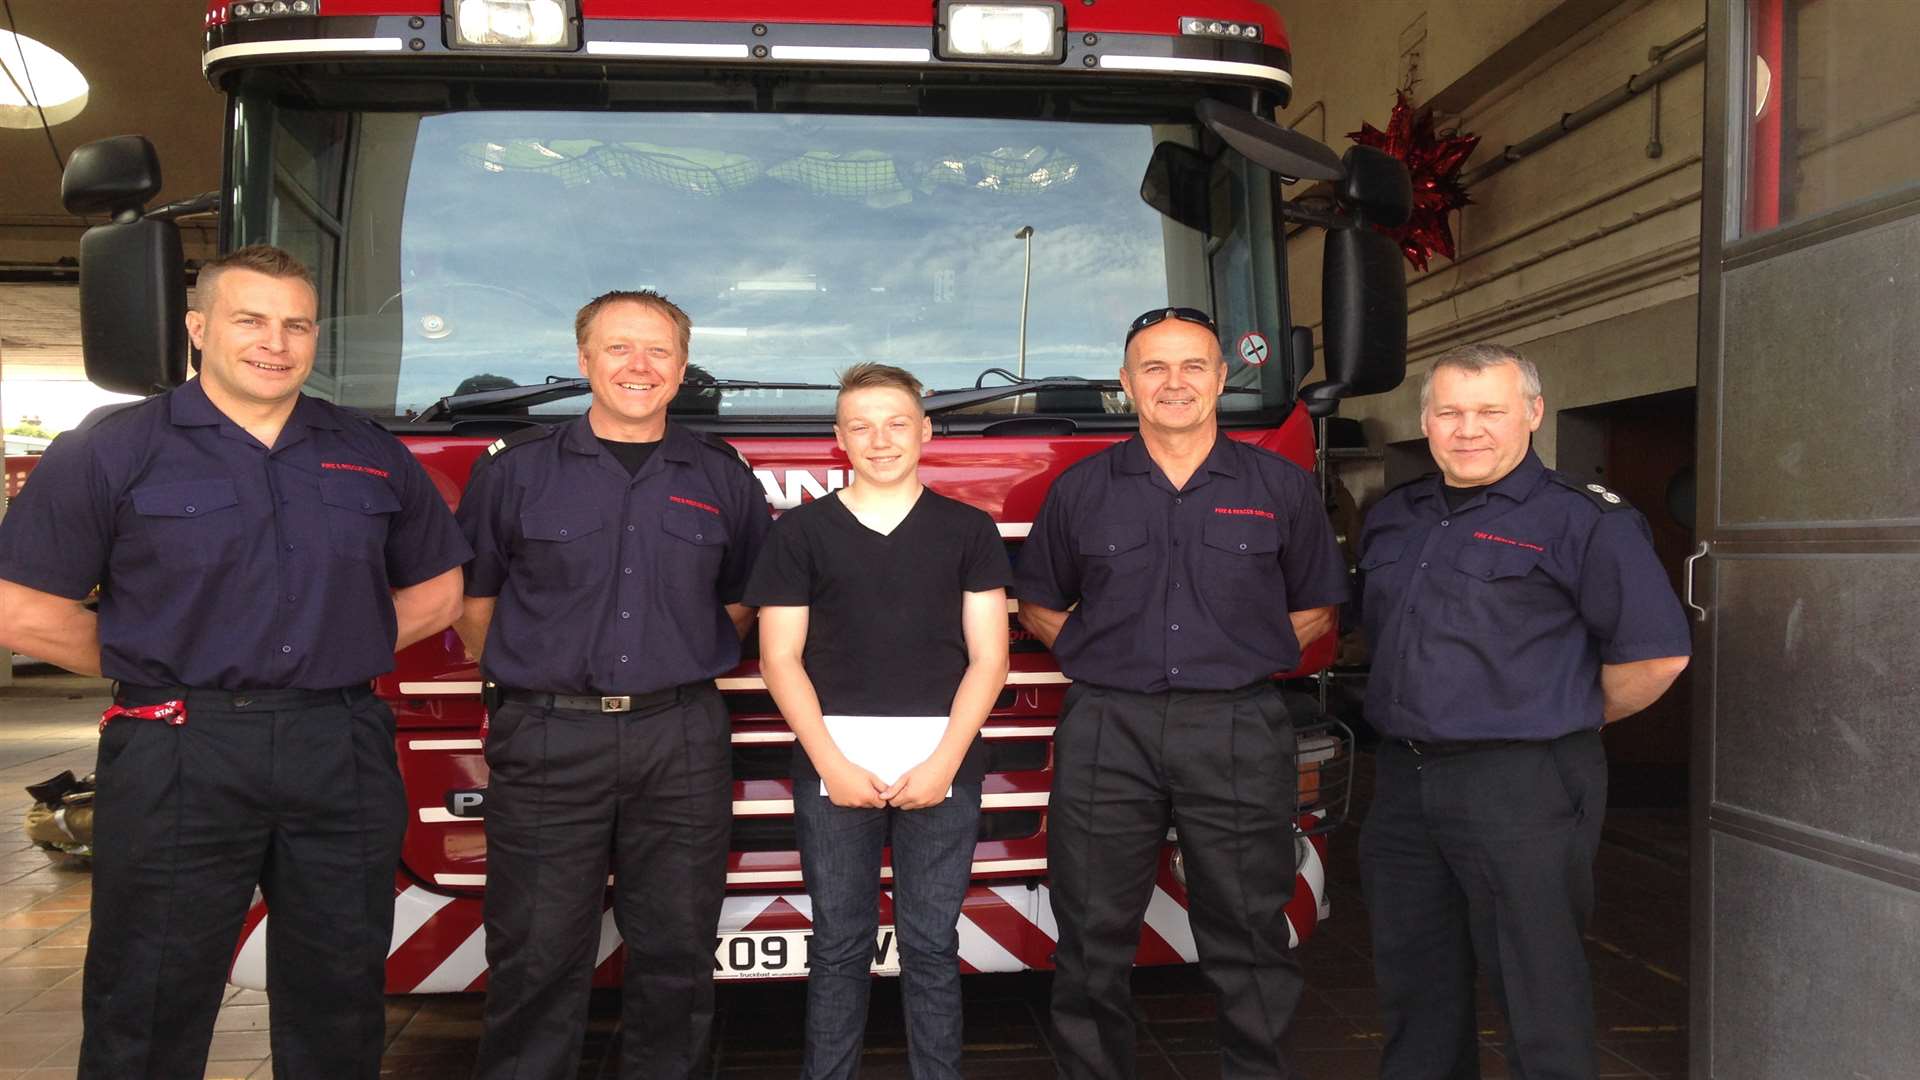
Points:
(556, 388)
(943, 401)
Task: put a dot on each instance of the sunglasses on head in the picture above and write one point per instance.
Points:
(1160, 315)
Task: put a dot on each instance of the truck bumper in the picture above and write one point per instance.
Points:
(439, 942)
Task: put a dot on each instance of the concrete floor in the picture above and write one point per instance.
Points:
(1638, 947)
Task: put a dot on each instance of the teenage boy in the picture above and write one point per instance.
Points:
(884, 599)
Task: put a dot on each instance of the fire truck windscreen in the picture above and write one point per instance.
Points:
(455, 247)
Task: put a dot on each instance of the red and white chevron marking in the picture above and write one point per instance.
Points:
(440, 945)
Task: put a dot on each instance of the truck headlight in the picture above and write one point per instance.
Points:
(512, 24)
(1033, 31)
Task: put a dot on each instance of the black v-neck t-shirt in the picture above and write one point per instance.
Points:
(884, 625)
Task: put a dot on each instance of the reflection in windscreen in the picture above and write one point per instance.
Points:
(799, 244)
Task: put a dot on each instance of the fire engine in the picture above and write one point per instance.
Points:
(984, 193)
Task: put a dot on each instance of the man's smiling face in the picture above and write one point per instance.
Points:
(634, 363)
(1478, 423)
(1174, 376)
(257, 336)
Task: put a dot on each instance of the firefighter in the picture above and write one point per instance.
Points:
(260, 555)
(1512, 612)
(1196, 567)
(611, 553)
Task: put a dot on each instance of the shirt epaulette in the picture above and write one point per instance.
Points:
(1602, 498)
(1421, 479)
(103, 412)
(1268, 454)
(721, 446)
(351, 412)
(525, 435)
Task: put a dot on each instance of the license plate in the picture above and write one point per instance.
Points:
(782, 954)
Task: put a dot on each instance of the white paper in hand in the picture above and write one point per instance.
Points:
(886, 746)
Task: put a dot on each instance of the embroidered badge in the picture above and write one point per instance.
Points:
(349, 467)
(1508, 541)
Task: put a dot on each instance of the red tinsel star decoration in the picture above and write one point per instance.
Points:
(1433, 161)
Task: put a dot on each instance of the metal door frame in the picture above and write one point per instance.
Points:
(1724, 164)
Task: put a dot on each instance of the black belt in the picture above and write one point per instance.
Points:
(238, 700)
(1258, 686)
(1463, 746)
(597, 703)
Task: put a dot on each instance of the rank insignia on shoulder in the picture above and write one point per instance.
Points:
(1599, 493)
(520, 438)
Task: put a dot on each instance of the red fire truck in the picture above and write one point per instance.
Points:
(983, 193)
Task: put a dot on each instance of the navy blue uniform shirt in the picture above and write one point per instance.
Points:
(610, 583)
(1491, 621)
(225, 565)
(1180, 589)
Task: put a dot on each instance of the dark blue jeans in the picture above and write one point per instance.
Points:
(840, 850)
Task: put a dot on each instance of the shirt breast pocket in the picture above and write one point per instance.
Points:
(695, 545)
(1241, 574)
(359, 513)
(1247, 543)
(1502, 589)
(562, 546)
(190, 522)
(1378, 572)
(1109, 550)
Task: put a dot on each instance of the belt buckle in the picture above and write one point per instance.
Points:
(616, 704)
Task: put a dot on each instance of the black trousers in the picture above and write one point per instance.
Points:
(297, 792)
(1485, 858)
(1219, 766)
(648, 794)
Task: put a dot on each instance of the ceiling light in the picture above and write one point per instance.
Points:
(37, 75)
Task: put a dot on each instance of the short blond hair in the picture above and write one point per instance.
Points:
(265, 259)
(871, 376)
(646, 298)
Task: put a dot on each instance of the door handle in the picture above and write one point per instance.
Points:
(1699, 613)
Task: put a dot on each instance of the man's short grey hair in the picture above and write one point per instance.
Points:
(1476, 358)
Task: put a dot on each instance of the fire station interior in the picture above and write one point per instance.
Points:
(1592, 237)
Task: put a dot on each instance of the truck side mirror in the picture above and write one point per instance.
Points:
(1192, 189)
(1364, 307)
(1267, 144)
(1178, 183)
(1364, 284)
(1376, 187)
(133, 294)
(1299, 357)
